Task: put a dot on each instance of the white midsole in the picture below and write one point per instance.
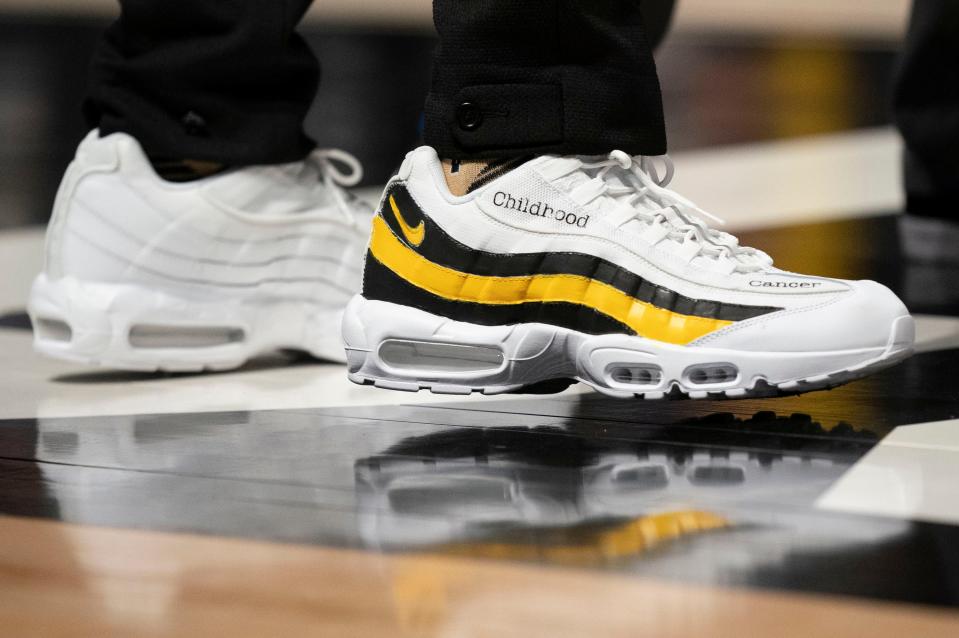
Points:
(96, 322)
(531, 353)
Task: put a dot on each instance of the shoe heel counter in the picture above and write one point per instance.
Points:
(404, 217)
(93, 156)
(369, 284)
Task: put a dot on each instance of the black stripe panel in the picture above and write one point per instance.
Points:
(440, 248)
(382, 284)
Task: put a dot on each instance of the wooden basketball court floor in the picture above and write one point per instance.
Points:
(279, 500)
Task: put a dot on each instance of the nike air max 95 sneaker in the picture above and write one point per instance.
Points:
(145, 274)
(589, 269)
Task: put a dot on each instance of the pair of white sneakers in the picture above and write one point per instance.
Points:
(562, 269)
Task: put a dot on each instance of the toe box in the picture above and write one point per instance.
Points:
(867, 315)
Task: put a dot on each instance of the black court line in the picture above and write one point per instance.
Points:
(19, 320)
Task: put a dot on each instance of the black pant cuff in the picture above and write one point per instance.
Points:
(229, 136)
(568, 111)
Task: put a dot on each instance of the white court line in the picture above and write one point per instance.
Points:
(911, 475)
(935, 332)
(21, 258)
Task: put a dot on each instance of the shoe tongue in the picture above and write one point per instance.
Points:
(281, 189)
(569, 182)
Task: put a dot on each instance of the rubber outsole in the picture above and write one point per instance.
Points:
(536, 355)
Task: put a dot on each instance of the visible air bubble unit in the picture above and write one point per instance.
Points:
(717, 475)
(445, 495)
(54, 330)
(640, 476)
(440, 357)
(712, 373)
(638, 375)
(155, 336)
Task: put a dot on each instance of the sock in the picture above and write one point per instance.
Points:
(465, 176)
(185, 170)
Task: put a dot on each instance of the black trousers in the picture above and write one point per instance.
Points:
(231, 81)
(927, 108)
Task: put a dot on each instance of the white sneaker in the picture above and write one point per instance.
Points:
(590, 270)
(145, 274)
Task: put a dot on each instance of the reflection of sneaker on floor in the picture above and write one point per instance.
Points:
(146, 274)
(592, 270)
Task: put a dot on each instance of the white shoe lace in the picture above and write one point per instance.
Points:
(642, 195)
(327, 162)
